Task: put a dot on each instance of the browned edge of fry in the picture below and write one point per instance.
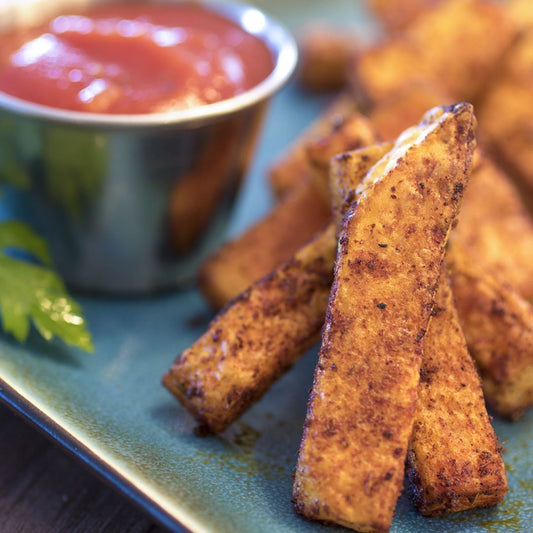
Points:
(454, 461)
(256, 338)
(353, 133)
(345, 174)
(496, 227)
(498, 327)
(263, 246)
(292, 166)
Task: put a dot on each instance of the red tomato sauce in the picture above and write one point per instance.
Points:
(133, 58)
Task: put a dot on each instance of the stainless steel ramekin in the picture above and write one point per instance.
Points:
(133, 203)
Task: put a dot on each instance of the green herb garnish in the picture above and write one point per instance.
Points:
(32, 290)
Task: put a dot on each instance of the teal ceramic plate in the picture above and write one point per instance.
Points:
(111, 411)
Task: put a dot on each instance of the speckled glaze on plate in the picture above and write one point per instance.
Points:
(111, 411)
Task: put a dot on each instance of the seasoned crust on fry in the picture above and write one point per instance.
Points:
(506, 113)
(454, 462)
(498, 327)
(361, 408)
(264, 246)
(346, 171)
(495, 226)
(353, 133)
(428, 51)
(292, 167)
(256, 338)
(397, 14)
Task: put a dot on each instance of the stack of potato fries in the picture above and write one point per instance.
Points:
(407, 251)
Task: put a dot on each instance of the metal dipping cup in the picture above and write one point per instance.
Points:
(134, 203)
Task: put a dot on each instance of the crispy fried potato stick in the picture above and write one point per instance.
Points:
(498, 327)
(395, 15)
(506, 113)
(362, 405)
(354, 133)
(521, 13)
(440, 47)
(292, 167)
(345, 174)
(454, 462)
(256, 338)
(495, 226)
(261, 333)
(264, 246)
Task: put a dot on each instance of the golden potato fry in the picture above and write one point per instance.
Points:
(521, 13)
(498, 327)
(397, 14)
(361, 409)
(353, 133)
(450, 387)
(495, 226)
(454, 462)
(264, 246)
(506, 113)
(292, 167)
(256, 338)
(441, 47)
(346, 172)
(325, 53)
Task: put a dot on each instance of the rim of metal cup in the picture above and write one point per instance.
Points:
(251, 19)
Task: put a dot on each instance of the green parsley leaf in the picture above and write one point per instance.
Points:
(31, 291)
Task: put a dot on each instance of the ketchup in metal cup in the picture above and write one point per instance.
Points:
(133, 59)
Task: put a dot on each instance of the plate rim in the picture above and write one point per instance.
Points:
(53, 430)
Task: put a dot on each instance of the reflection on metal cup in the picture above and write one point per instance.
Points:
(134, 203)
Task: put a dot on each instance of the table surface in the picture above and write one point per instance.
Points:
(44, 489)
